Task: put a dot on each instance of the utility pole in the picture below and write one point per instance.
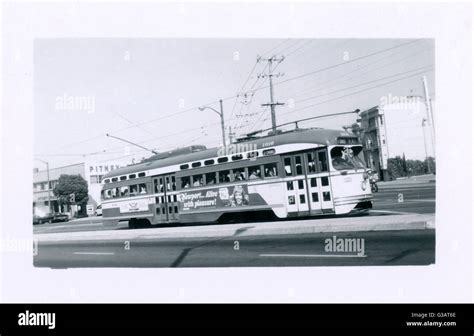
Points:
(221, 115)
(270, 76)
(423, 122)
(429, 110)
(231, 136)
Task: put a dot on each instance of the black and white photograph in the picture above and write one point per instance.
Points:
(236, 152)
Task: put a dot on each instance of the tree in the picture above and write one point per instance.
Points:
(356, 129)
(404, 165)
(395, 167)
(71, 185)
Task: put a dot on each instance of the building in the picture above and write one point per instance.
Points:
(91, 172)
(374, 138)
(399, 127)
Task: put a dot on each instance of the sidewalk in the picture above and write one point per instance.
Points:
(410, 180)
(345, 224)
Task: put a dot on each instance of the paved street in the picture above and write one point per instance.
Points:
(414, 195)
(411, 247)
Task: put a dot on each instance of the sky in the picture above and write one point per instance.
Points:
(148, 91)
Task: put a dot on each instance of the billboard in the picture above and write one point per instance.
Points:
(232, 196)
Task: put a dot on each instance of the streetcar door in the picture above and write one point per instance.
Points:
(166, 199)
(171, 198)
(296, 188)
(319, 182)
(161, 214)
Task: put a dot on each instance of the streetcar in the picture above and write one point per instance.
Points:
(290, 174)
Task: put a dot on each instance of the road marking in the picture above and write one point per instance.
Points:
(95, 253)
(314, 255)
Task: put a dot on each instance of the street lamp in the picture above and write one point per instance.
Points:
(47, 173)
(221, 114)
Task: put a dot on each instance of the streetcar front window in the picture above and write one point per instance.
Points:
(344, 158)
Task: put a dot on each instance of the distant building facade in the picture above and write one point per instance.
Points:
(399, 127)
(374, 137)
(91, 172)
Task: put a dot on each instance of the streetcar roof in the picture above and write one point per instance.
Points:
(319, 136)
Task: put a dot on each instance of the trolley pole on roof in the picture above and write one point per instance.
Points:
(221, 115)
(132, 143)
(270, 76)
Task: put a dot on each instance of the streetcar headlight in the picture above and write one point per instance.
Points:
(363, 185)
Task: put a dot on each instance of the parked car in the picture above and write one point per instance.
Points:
(47, 218)
(98, 210)
(50, 218)
(60, 217)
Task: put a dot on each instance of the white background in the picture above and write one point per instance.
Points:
(449, 280)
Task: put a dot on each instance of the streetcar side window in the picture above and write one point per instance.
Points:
(198, 180)
(210, 178)
(168, 183)
(185, 182)
(108, 193)
(224, 176)
(311, 163)
(161, 188)
(288, 170)
(239, 174)
(322, 161)
(173, 183)
(124, 191)
(271, 170)
(115, 192)
(133, 190)
(255, 173)
(298, 165)
(142, 188)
